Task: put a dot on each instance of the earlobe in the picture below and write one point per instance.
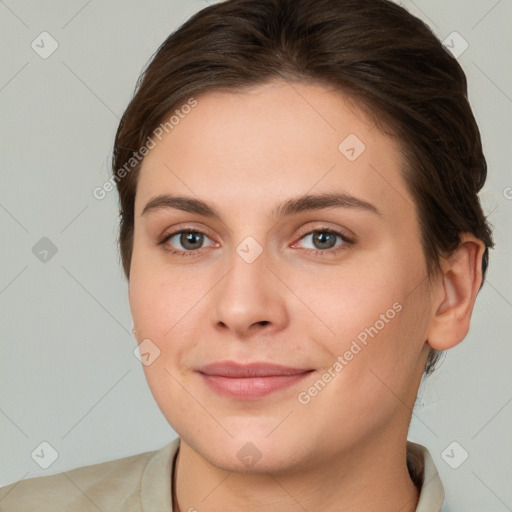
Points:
(458, 287)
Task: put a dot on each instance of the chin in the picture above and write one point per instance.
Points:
(250, 453)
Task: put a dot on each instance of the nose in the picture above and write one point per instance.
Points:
(249, 300)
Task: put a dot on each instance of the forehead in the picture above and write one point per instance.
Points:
(272, 141)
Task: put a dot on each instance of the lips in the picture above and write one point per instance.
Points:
(250, 381)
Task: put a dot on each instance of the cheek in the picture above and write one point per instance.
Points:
(167, 307)
(161, 305)
(161, 299)
(355, 305)
(372, 367)
(378, 319)
(367, 293)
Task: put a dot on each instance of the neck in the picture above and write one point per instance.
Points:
(370, 477)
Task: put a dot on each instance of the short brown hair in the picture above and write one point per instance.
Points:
(375, 51)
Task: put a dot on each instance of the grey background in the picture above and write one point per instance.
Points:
(67, 369)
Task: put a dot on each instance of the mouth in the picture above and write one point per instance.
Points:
(250, 381)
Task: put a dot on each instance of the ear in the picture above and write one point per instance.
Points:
(455, 294)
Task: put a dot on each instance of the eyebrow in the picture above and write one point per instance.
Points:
(289, 207)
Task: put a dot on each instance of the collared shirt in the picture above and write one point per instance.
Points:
(142, 483)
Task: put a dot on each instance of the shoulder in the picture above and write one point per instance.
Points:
(114, 486)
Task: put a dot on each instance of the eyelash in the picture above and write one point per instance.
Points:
(318, 252)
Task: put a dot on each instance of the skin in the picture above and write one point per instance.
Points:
(244, 154)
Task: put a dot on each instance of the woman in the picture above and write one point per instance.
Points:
(302, 236)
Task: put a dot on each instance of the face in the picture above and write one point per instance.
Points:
(274, 226)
